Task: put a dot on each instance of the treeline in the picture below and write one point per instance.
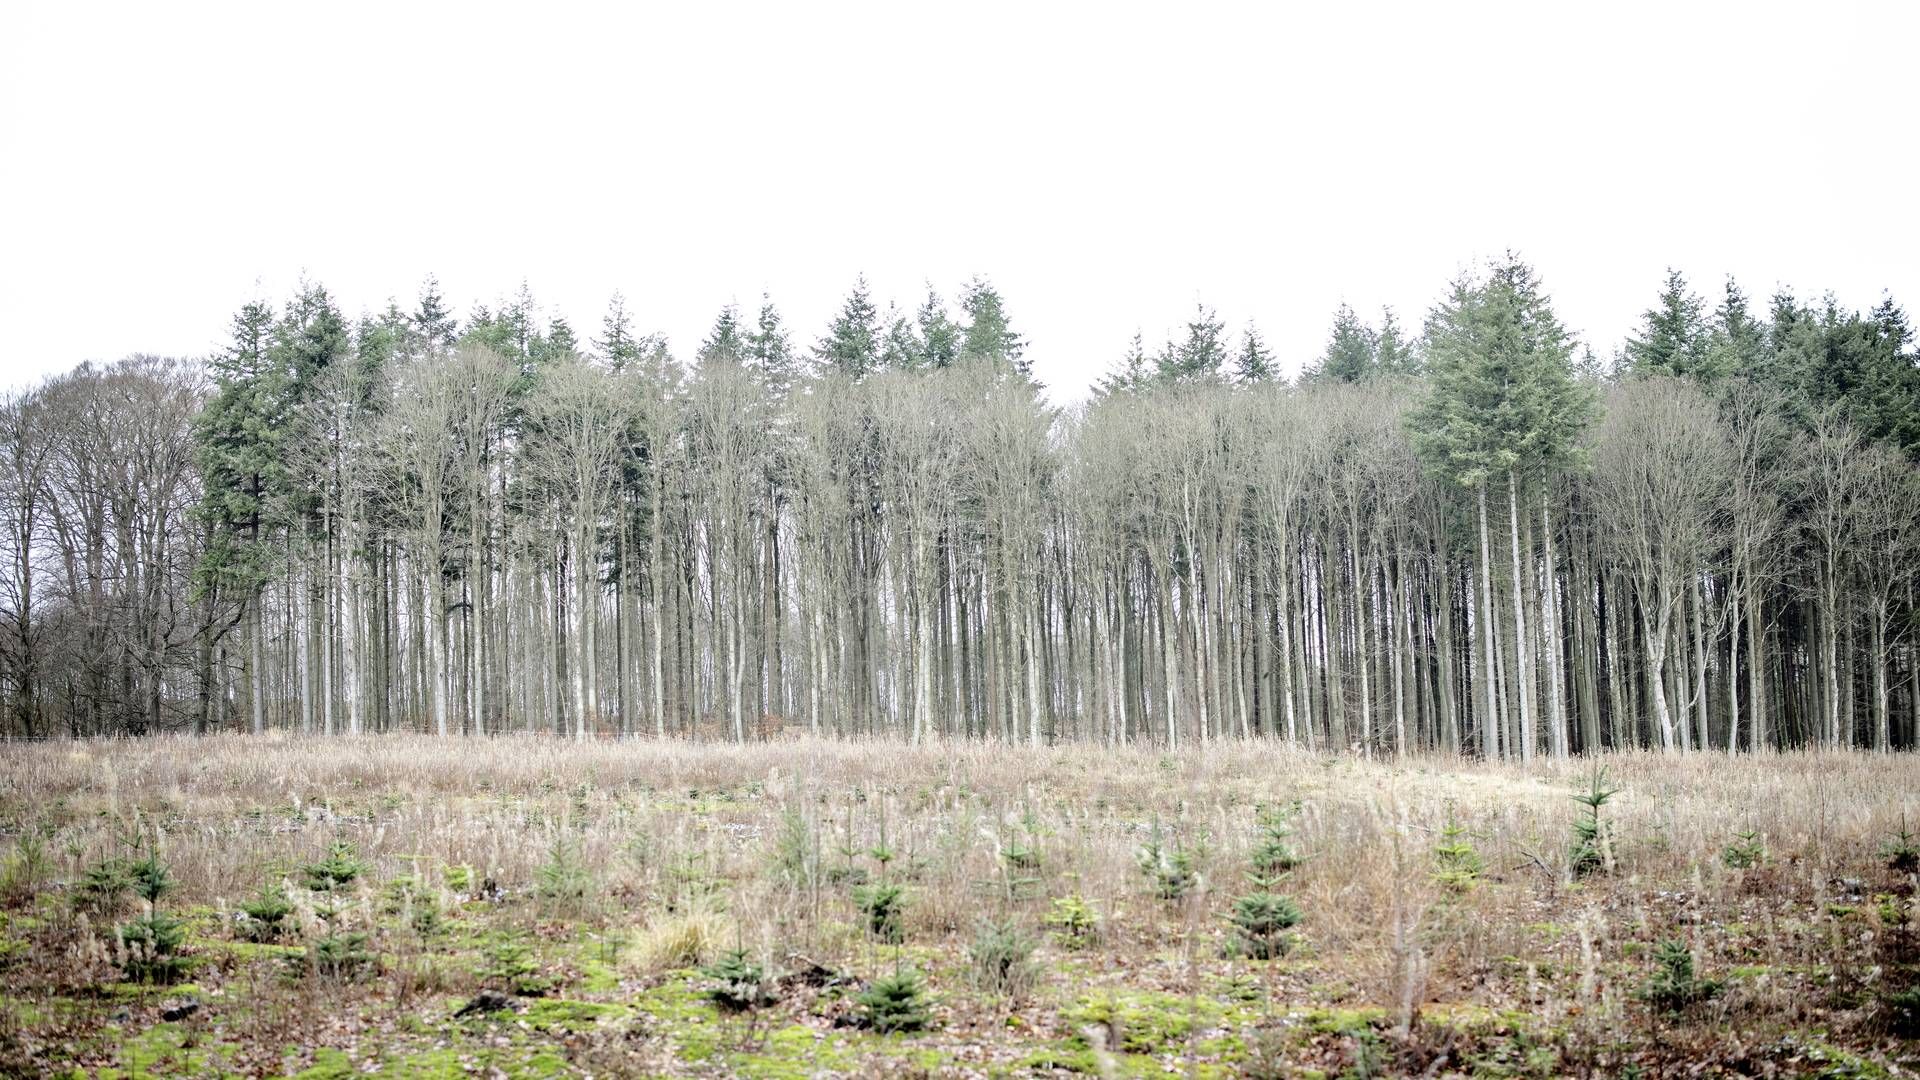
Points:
(1474, 536)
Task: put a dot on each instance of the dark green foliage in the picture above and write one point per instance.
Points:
(1260, 924)
(103, 887)
(896, 1002)
(725, 343)
(1349, 353)
(153, 944)
(510, 965)
(937, 337)
(1592, 849)
(1201, 355)
(336, 871)
(426, 919)
(882, 904)
(617, 346)
(1456, 863)
(266, 913)
(987, 336)
(458, 877)
(770, 355)
(1169, 870)
(153, 940)
(399, 893)
(1392, 353)
(692, 882)
(25, 869)
(1254, 362)
(1902, 851)
(736, 983)
(852, 344)
(1020, 857)
(340, 955)
(1001, 958)
(1074, 923)
(1673, 337)
(1131, 374)
(432, 323)
(1901, 1009)
(1273, 854)
(1674, 986)
(1745, 852)
(149, 877)
(796, 852)
(563, 878)
(1502, 396)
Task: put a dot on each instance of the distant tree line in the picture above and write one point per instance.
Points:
(1470, 536)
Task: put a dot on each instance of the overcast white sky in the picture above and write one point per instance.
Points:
(1106, 165)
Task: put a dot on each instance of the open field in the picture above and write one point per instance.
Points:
(585, 902)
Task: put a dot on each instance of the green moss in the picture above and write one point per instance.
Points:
(1063, 1057)
(163, 1050)
(248, 950)
(132, 991)
(1837, 1064)
(440, 1063)
(598, 977)
(328, 1064)
(1333, 1021)
(561, 1014)
(1141, 1021)
(794, 1052)
(1464, 1017)
(679, 1011)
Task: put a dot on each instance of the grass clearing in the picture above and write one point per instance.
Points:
(536, 907)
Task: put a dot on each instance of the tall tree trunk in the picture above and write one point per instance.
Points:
(1489, 727)
(1522, 670)
(1551, 636)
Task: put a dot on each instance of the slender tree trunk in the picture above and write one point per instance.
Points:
(1758, 734)
(1700, 657)
(1551, 638)
(1522, 670)
(1882, 741)
(1489, 727)
(256, 664)
(437, 646)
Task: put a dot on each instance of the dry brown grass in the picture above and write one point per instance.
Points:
(674, 834)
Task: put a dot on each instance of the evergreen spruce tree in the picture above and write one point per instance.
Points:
(1253, 363)
(1201, 355)
(901, 350)
(1735, 341)
(1132, 372)
(558, 343)
(239, 438)
(725, 342)
(988, 336)
(432, 321)
(309, 337)
(852, 344)
(1502, 404)
(770, 354)
(939, 336)
(617, 346)
(1349, 354)
(1392, 353)
(1672, 339)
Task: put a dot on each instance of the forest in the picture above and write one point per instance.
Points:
(1473, 535)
